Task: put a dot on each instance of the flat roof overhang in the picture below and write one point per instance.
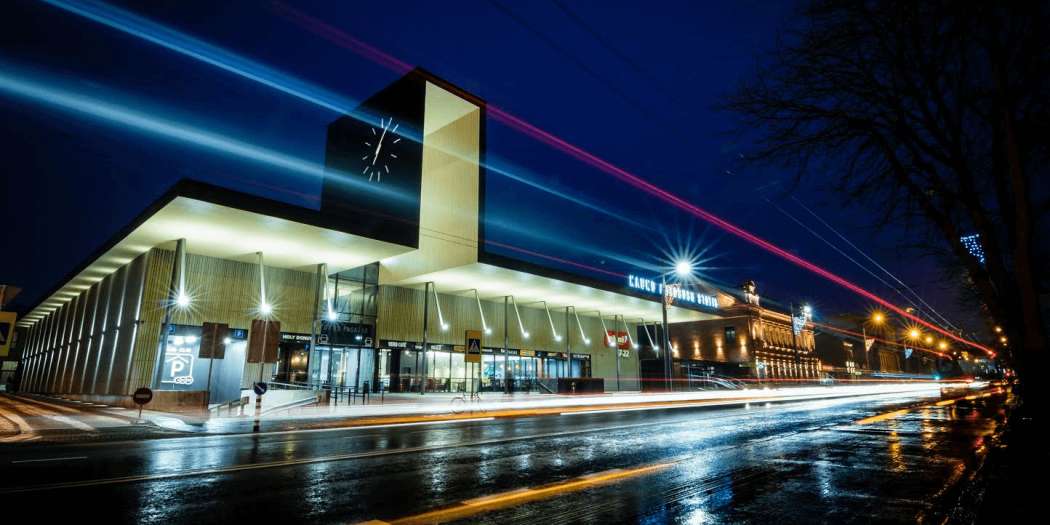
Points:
(225, 224)
(495, 281)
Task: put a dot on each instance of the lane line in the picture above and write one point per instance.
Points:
(513, 498)
(48, 459)
(310, 461)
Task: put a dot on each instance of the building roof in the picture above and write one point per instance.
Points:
(223, 223)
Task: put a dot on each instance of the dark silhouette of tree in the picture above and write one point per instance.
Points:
(933, 112)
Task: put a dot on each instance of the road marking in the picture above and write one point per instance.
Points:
(72, 422)
(48, 459)
(310, 461)
(473, 507)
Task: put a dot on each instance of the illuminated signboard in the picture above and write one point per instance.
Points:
(680, 294)
(617, 339)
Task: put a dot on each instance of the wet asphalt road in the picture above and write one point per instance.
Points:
(810, 462)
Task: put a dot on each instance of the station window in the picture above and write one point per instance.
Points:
(730, 335)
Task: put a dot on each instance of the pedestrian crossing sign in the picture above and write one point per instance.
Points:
(473, 346)
(7, 332)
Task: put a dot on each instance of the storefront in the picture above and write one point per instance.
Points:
(403, 366)
(293, 355)
(343, 356)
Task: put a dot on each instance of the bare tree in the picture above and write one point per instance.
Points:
(933, 112)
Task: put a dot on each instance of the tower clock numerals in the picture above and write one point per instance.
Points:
(378, 161)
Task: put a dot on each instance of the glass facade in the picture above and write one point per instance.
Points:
(344, 356)
(402, 370)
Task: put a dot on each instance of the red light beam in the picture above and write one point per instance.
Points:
(343, 40)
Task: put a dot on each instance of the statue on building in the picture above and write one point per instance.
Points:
(750, 295)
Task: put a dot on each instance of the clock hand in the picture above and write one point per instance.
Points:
(381, 142)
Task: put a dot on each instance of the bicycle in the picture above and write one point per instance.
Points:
(459, 403)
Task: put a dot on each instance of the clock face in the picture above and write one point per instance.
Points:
(381, 150)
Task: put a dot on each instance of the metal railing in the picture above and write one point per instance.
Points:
(317, 400)
(237, 403)
(293, 386)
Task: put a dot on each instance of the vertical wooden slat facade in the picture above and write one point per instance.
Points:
(106, 340)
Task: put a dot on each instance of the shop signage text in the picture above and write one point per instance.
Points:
(287, 337)
(680, 294)
(408, 345)
(346, 334)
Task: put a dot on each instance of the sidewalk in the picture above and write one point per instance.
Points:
(1011, 484)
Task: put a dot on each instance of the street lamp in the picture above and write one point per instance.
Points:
(876, 319)
(805, 312)
(683, 269)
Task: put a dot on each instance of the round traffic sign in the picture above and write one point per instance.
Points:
(260, 388)
(142, 396)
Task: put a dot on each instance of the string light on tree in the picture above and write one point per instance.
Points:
(973, 245)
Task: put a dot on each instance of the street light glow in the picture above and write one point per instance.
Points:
(683, 268)
(914, 334)
(183, 300)
(878, 318)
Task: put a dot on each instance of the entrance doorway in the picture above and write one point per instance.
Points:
(341, 366)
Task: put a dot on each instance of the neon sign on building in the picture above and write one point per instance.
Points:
(680, 294)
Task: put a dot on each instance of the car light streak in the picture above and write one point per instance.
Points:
(179, 42)
(233, 63)
(47, 93)
(563, 261)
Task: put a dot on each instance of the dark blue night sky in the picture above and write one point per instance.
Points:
(72, 177)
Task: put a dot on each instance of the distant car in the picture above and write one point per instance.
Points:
(716, 383)
(971, 389)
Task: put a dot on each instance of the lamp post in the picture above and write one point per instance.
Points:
(682, 269)
(877, 320)
(805, 312)
(916, 337)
